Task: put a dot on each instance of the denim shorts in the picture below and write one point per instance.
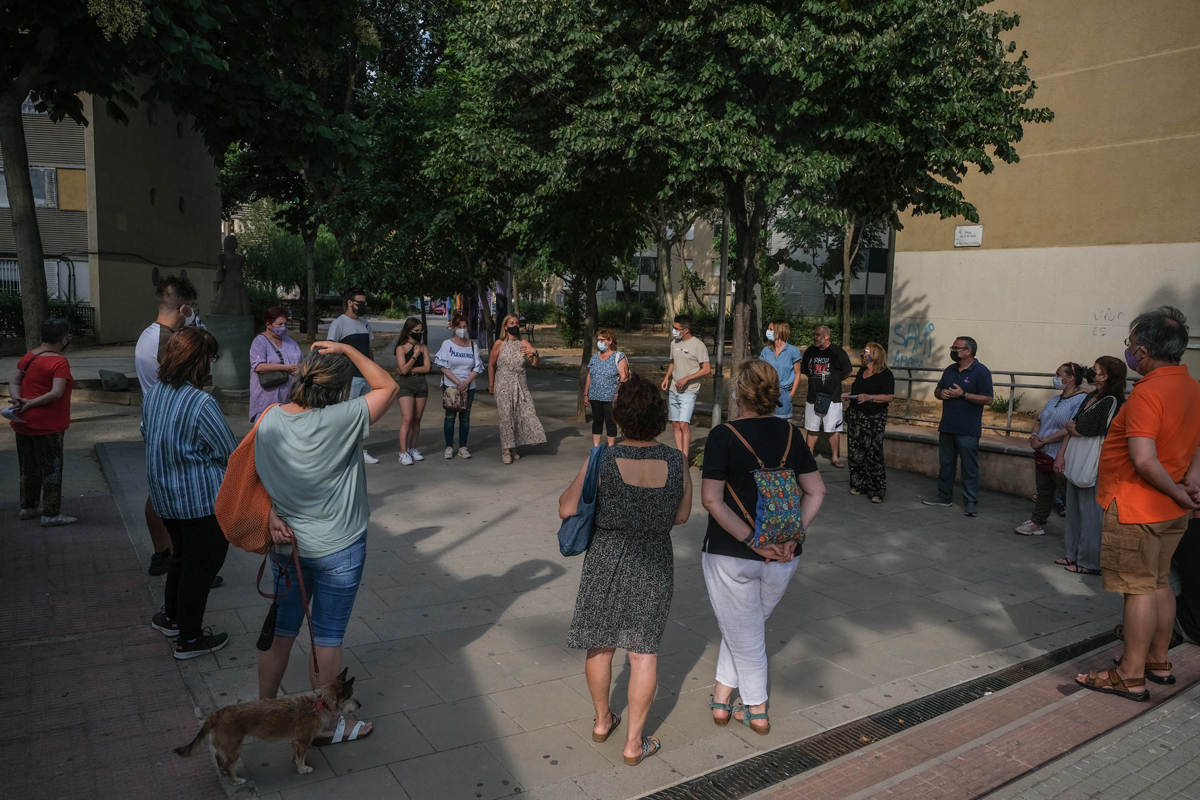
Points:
(332, 584)
(680, 406)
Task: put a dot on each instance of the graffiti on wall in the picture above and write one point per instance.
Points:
(912, 344)
(1106, 318)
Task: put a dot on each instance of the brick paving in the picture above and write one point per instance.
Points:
(94, 699)
(993, 742)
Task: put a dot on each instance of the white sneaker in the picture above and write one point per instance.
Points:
(1029, 528)
(370, 459)
(406, 459)
(464, 452)
(449, 452)
(416, 454)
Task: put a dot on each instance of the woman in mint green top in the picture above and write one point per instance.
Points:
(309, 455)
(785, 358)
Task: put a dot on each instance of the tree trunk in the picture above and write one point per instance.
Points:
(481, 289)
(424, 324)
(849, 251)
(35, 306)
(590, 287)
(663, 275)
(310, 265)
(746, 213)
(628, 313)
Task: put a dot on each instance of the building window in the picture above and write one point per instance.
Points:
(45, 187)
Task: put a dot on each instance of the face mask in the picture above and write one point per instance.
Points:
(66, 344)
(415, 336)
(360, 308)
(460, 333)
(1130, 360)
(513, 330)
(189, 320)
(955, 356)
(677, 333)
(866, 357)
(279, 330)
(602, 345)
(1058, 382)
(770, 336)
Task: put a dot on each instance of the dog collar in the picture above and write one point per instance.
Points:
(322, 704)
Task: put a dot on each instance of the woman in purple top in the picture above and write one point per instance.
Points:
(272, 351)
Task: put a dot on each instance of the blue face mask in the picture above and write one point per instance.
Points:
(770, 336)
(602, 345)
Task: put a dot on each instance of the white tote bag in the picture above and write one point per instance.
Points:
(1083, 457)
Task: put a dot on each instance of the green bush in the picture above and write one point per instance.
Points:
(538, 313)
(261, 298)
(869, 327)
(1000, 404)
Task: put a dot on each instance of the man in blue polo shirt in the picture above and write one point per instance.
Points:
(965, 388)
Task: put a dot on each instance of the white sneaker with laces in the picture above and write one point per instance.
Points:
(1029, 528)
(449, 452)
(370, 459)
(416, 454)
(464, 452)
(406, 459)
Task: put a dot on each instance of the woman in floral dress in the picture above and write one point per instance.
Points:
(519, 422)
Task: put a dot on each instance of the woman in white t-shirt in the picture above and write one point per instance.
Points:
(458, 358)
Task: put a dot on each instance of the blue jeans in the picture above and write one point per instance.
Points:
(332, 585)
(464, 422)
(951, 448)
(359, 387)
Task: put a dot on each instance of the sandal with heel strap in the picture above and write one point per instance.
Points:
(1161, 666)
(715, 706)
(748, 716)
(1111, 682)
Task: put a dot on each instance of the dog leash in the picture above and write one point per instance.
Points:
(287, 579)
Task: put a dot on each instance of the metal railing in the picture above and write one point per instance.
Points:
(1012, 386)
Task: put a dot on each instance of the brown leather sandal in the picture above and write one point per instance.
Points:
(1111, 682)
(614, 721)
(1161, 666)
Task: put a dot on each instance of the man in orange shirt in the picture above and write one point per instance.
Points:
(1149, 485)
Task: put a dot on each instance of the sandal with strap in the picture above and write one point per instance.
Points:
(1078, 570)
(650, 746)
(1161, 666)
(1064, 562)
(1111, 682)
(748, 716)
(715, 706)
(339, 734)
(614, 721)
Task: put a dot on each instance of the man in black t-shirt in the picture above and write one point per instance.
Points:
(826, 366)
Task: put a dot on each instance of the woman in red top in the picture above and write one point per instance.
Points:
(40, 414)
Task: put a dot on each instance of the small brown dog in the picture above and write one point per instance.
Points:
(296, 718)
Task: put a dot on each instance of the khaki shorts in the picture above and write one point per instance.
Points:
(1136, 558)
(413, 386)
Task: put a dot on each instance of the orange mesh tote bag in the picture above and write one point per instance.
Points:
(243, 505)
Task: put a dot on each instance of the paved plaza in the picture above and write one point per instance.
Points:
(458, 631)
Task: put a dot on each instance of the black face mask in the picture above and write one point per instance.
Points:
(415, 336)
(956, 356)
(513, 330)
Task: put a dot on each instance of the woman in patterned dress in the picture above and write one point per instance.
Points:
(866, 419)
(519, 422)
(628, 573)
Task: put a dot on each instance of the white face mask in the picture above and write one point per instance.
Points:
(1058, 382)
(460, 333)
(603, 345)
(189, 320)
(770, 335)
(678, 334)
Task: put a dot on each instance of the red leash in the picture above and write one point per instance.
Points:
(287, 579)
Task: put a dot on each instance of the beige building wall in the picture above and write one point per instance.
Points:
(1098, 221)
(152, 187)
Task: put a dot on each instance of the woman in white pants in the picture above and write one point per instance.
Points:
(744, 583)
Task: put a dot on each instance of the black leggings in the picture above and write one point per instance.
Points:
(200, 549)
(602, 418)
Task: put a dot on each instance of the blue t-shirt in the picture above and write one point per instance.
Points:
(784, 363)
(605, 377)
(960, 416)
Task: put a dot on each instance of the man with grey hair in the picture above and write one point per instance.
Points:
(964, 389)
(1148, 486)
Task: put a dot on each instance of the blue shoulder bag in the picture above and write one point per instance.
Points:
(575, 533)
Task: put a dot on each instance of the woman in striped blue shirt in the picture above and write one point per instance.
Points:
(188, 446)
(1048, 434)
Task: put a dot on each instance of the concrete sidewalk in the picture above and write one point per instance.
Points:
(458, 631)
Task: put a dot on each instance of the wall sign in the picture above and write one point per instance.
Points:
(968, 236)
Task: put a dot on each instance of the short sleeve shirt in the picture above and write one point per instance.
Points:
(353, 332)
(40, 372)
(605, 377)
(879, 383)
(312, 467)
(687, 356)
(1055, 416)
(825, 370)
(784, 363)
(1163, 407)
(149, 349)
(461, 361)
(961, 417)
(727, 459)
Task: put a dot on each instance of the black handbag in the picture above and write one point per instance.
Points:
(276, 377)
(821, 407)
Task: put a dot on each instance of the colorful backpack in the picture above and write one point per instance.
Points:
(777, 516)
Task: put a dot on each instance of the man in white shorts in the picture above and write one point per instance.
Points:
(689, 361)
(826, 365)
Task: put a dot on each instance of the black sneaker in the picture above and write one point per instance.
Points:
(937, 501)
(160, 563)
(207, 643)
(164, 624)
(969, 510)
(217, 581)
